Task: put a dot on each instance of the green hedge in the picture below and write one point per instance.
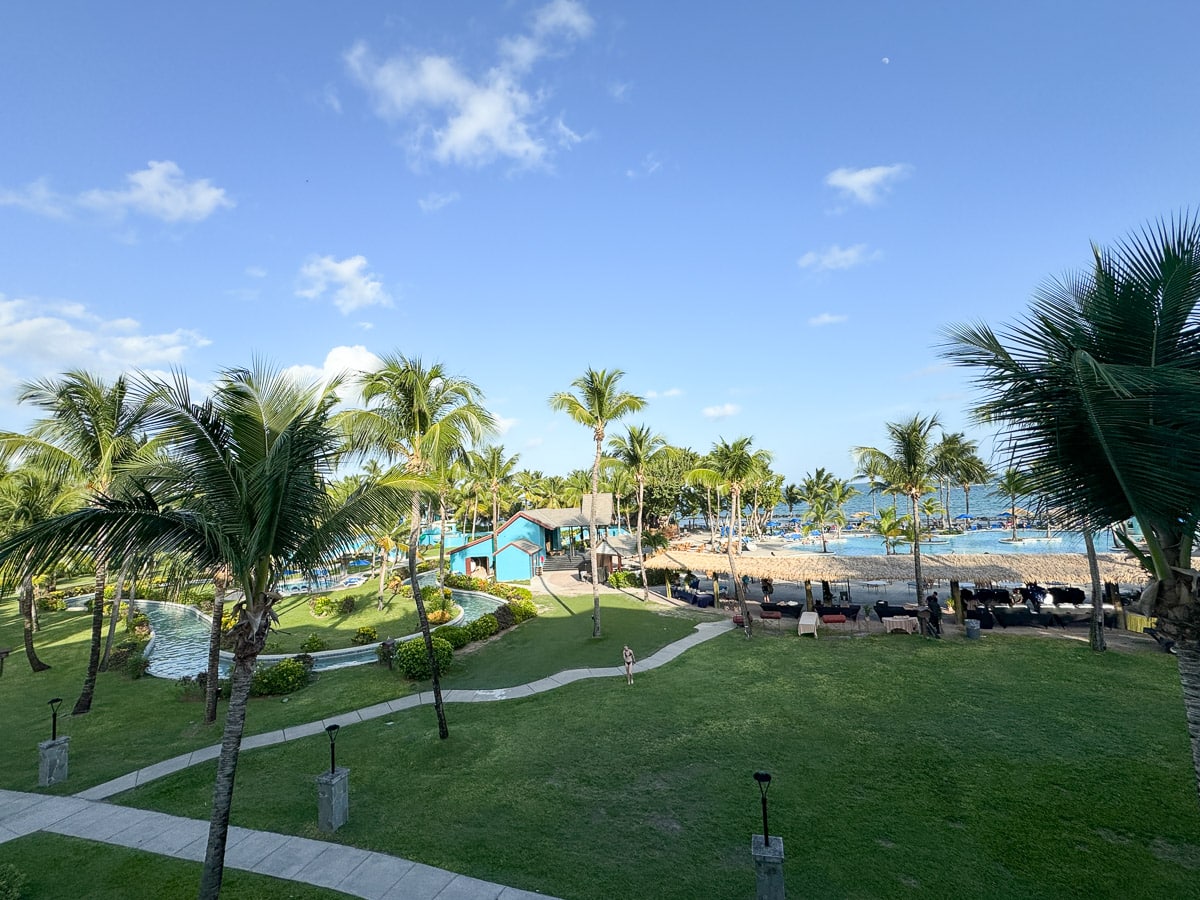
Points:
(483, 627)
(285, 677)
(414, 662)
(322, 605)
(367, 634)
(622, 579)
(523, 609)
(457, 636)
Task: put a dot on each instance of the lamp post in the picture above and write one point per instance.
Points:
(764, 784)
(332, 731)
(54, 705)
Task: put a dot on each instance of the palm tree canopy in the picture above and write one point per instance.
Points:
(597, 400)
(907, 466)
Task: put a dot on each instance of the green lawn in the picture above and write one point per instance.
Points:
(296, 622)
(1004, 768)
(80, 869)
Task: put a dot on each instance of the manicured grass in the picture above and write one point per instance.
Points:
(67, 867)
(296, 622)
(1008, 767)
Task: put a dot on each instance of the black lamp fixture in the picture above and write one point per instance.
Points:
(764, 784)
(54, 705)
(332, 731)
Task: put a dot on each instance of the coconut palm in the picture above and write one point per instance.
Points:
(958, 462)
(636, 450)
(424, 417)
(816, 491)
(871, 469)
(841, 492)
(1013, 483)
(908, 467)
(597, 401)
(792, 495)
(244, 485)
(90, 430)
(29, 496)
(1096, 389)
(730, 466)
(891, 527)
(495, 472)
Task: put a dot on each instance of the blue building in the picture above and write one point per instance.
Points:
(522, 544)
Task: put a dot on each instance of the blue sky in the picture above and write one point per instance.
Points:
(762, 213)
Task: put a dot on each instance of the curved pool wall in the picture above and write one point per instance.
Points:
(179, 640)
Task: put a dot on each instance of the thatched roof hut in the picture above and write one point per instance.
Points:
(1067, 568)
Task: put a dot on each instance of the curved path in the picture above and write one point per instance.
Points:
(358, 873)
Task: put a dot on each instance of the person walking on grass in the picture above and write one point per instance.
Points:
(630, 659)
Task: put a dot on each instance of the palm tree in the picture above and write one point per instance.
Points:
(1012, 484)
(815, 491)
(636, 450)
(958, 462)
(495, 471)
(931, 507)
(871, 469)
(422, 416)
(908, 469)
(597, 402)
(1096, 390)
(841, 492)
(29, 496)
(891, 527)
(91, 429)
(731, 465)
(792, 495)
(244, 485)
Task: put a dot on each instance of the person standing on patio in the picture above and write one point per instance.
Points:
(630, 659)
(935, 614)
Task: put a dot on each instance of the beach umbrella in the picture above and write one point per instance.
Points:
(964, 516)
(360, 562)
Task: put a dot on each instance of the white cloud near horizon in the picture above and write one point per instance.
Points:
(344, 362)
(433, 201)
(722, 411)
(867, 186)
(836, 257)
(349, 281)
(162, 192)
(459, 119)
(825, 318)
(40, 339)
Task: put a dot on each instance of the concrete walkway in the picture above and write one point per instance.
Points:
(347, 869)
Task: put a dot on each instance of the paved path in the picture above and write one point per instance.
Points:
(347, 869)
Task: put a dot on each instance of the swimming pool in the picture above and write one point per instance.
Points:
(180, 643)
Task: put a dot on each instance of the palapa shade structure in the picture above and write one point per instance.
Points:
(1067, 568)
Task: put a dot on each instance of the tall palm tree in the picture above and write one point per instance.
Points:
(815, 491)
(29, 496)
(731, 465)
(244, 485)
(495, 472)
(841, 492)
(891, 527)
(908, 466)
(421, 416)
(597, 401)
(871, 469)
(636, 450)
(1096, 391)
(91, 429)
(792, 495)
(1013, 483)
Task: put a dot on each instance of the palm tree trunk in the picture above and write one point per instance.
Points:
(599, 435)
(231, 742)
(84, 703)
(116, 613)
(1013, 512)
(738, 590)
(212, 680)
(382, 575)
(442, 544)
(1096, 635)
(641, 485)
(26, 603)
(495, 525)
(916, 546)
(1187, 656)
(423, 618)
(967, 499)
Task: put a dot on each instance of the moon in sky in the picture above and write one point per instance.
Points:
(886, 60)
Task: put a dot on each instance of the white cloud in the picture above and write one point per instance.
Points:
(723, 411)
(867, 185)
(620, 90)
(341, 362)
(329, 97)
(40, 339)
(535, 442)
(457, 118)
(366, 326)
(349, 281)
(669, 392)
(161, 192)
(432, 202)
(826, 319)
(836, 257)
(503, 425)
(256, 272)
(36, 197)
(649, 165)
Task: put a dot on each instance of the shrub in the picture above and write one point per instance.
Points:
(455, 635)
(504, 617)
(414, 662)
(365, 635)
(53, 602)
(12, 882)
(284, 677)
(510, 592)
(138, 623)
(346, 604)
(314, 643)
(523, 609)
(483, 627)
(622, 579)
(121, 653)
(386, 651)
(136, 665)
(322, 605)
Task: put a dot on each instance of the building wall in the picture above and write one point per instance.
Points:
(522, 528)
(513, 564)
